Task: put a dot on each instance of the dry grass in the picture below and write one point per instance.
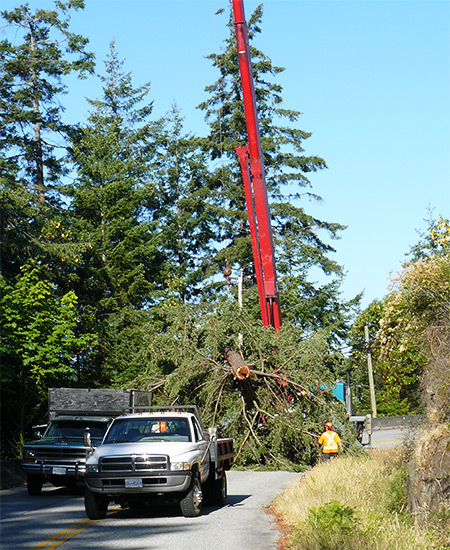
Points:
(350, 479)
(354, 504)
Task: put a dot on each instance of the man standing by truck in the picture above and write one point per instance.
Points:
(330, 441)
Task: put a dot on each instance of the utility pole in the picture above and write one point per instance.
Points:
(369, 366)
(240, 301)
(240, 281)
(348, 396)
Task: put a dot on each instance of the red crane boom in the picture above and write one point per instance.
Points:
(253, 175)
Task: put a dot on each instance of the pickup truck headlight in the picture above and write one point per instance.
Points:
(92, 468)
(179, 466)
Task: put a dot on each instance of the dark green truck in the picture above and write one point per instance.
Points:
(59, 455)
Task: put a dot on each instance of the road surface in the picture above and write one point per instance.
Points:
(57, 519)
(387, 437)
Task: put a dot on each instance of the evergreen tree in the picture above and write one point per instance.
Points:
(434, 242)
(188, 217)
(299, 246)
(32, 132)
(116, 210)
(114, 201)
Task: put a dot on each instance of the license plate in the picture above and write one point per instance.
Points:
(133, 482)
(59, 471)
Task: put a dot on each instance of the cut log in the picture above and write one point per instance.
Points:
(240, 370)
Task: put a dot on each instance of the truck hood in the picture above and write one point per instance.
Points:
(173, 449)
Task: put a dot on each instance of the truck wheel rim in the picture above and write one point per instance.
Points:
(197, 496)
(224, 488)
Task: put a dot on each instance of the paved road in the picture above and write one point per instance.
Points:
(57, 518)
(387, 437)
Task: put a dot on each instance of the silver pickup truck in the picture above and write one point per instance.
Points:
(162, 454)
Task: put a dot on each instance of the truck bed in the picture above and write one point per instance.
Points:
(225, 454)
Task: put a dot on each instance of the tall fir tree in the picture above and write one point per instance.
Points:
(33, 134)
(114, 200)
(297, 235)
(116, 209)
(188, 216)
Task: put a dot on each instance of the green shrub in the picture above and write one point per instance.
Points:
(396, 490)
(331, 526)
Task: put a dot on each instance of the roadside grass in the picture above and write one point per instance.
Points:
(358, 503)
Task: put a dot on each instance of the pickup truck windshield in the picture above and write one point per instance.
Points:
(126, 430)
(74, 429)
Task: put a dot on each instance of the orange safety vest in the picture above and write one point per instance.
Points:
(330, 442)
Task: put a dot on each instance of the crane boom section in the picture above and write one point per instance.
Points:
(253, 175)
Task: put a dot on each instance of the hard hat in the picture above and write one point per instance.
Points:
(328, 425)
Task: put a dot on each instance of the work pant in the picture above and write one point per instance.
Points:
(328, 456)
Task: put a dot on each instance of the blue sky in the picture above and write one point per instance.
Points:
(372, 79)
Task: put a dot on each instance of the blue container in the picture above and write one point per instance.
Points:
(339, 391)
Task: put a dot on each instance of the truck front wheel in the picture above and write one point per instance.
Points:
(34, 485)
(191, 504)
(96, 505)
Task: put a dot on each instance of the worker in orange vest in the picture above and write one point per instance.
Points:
(330, 441)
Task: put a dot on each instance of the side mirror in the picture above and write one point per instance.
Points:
(87, 439)
(213, 434)
(37, 435)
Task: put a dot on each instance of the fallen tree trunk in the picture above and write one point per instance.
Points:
(240, 369)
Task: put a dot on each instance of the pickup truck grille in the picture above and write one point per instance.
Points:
(54, 454)
(134, 463)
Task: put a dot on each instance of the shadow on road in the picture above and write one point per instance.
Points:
(169, 508)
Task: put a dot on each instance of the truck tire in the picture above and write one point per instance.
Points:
(191, 504)
(96, 505)
(218, 491)
(34, 484)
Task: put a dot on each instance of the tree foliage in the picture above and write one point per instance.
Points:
(33, 135)
(405, 325)
(187, 218)
(130, 230)
(276, 415)
(297, 235)
(113, 198)
(40, 335)
(39, 343)
(31, 80)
